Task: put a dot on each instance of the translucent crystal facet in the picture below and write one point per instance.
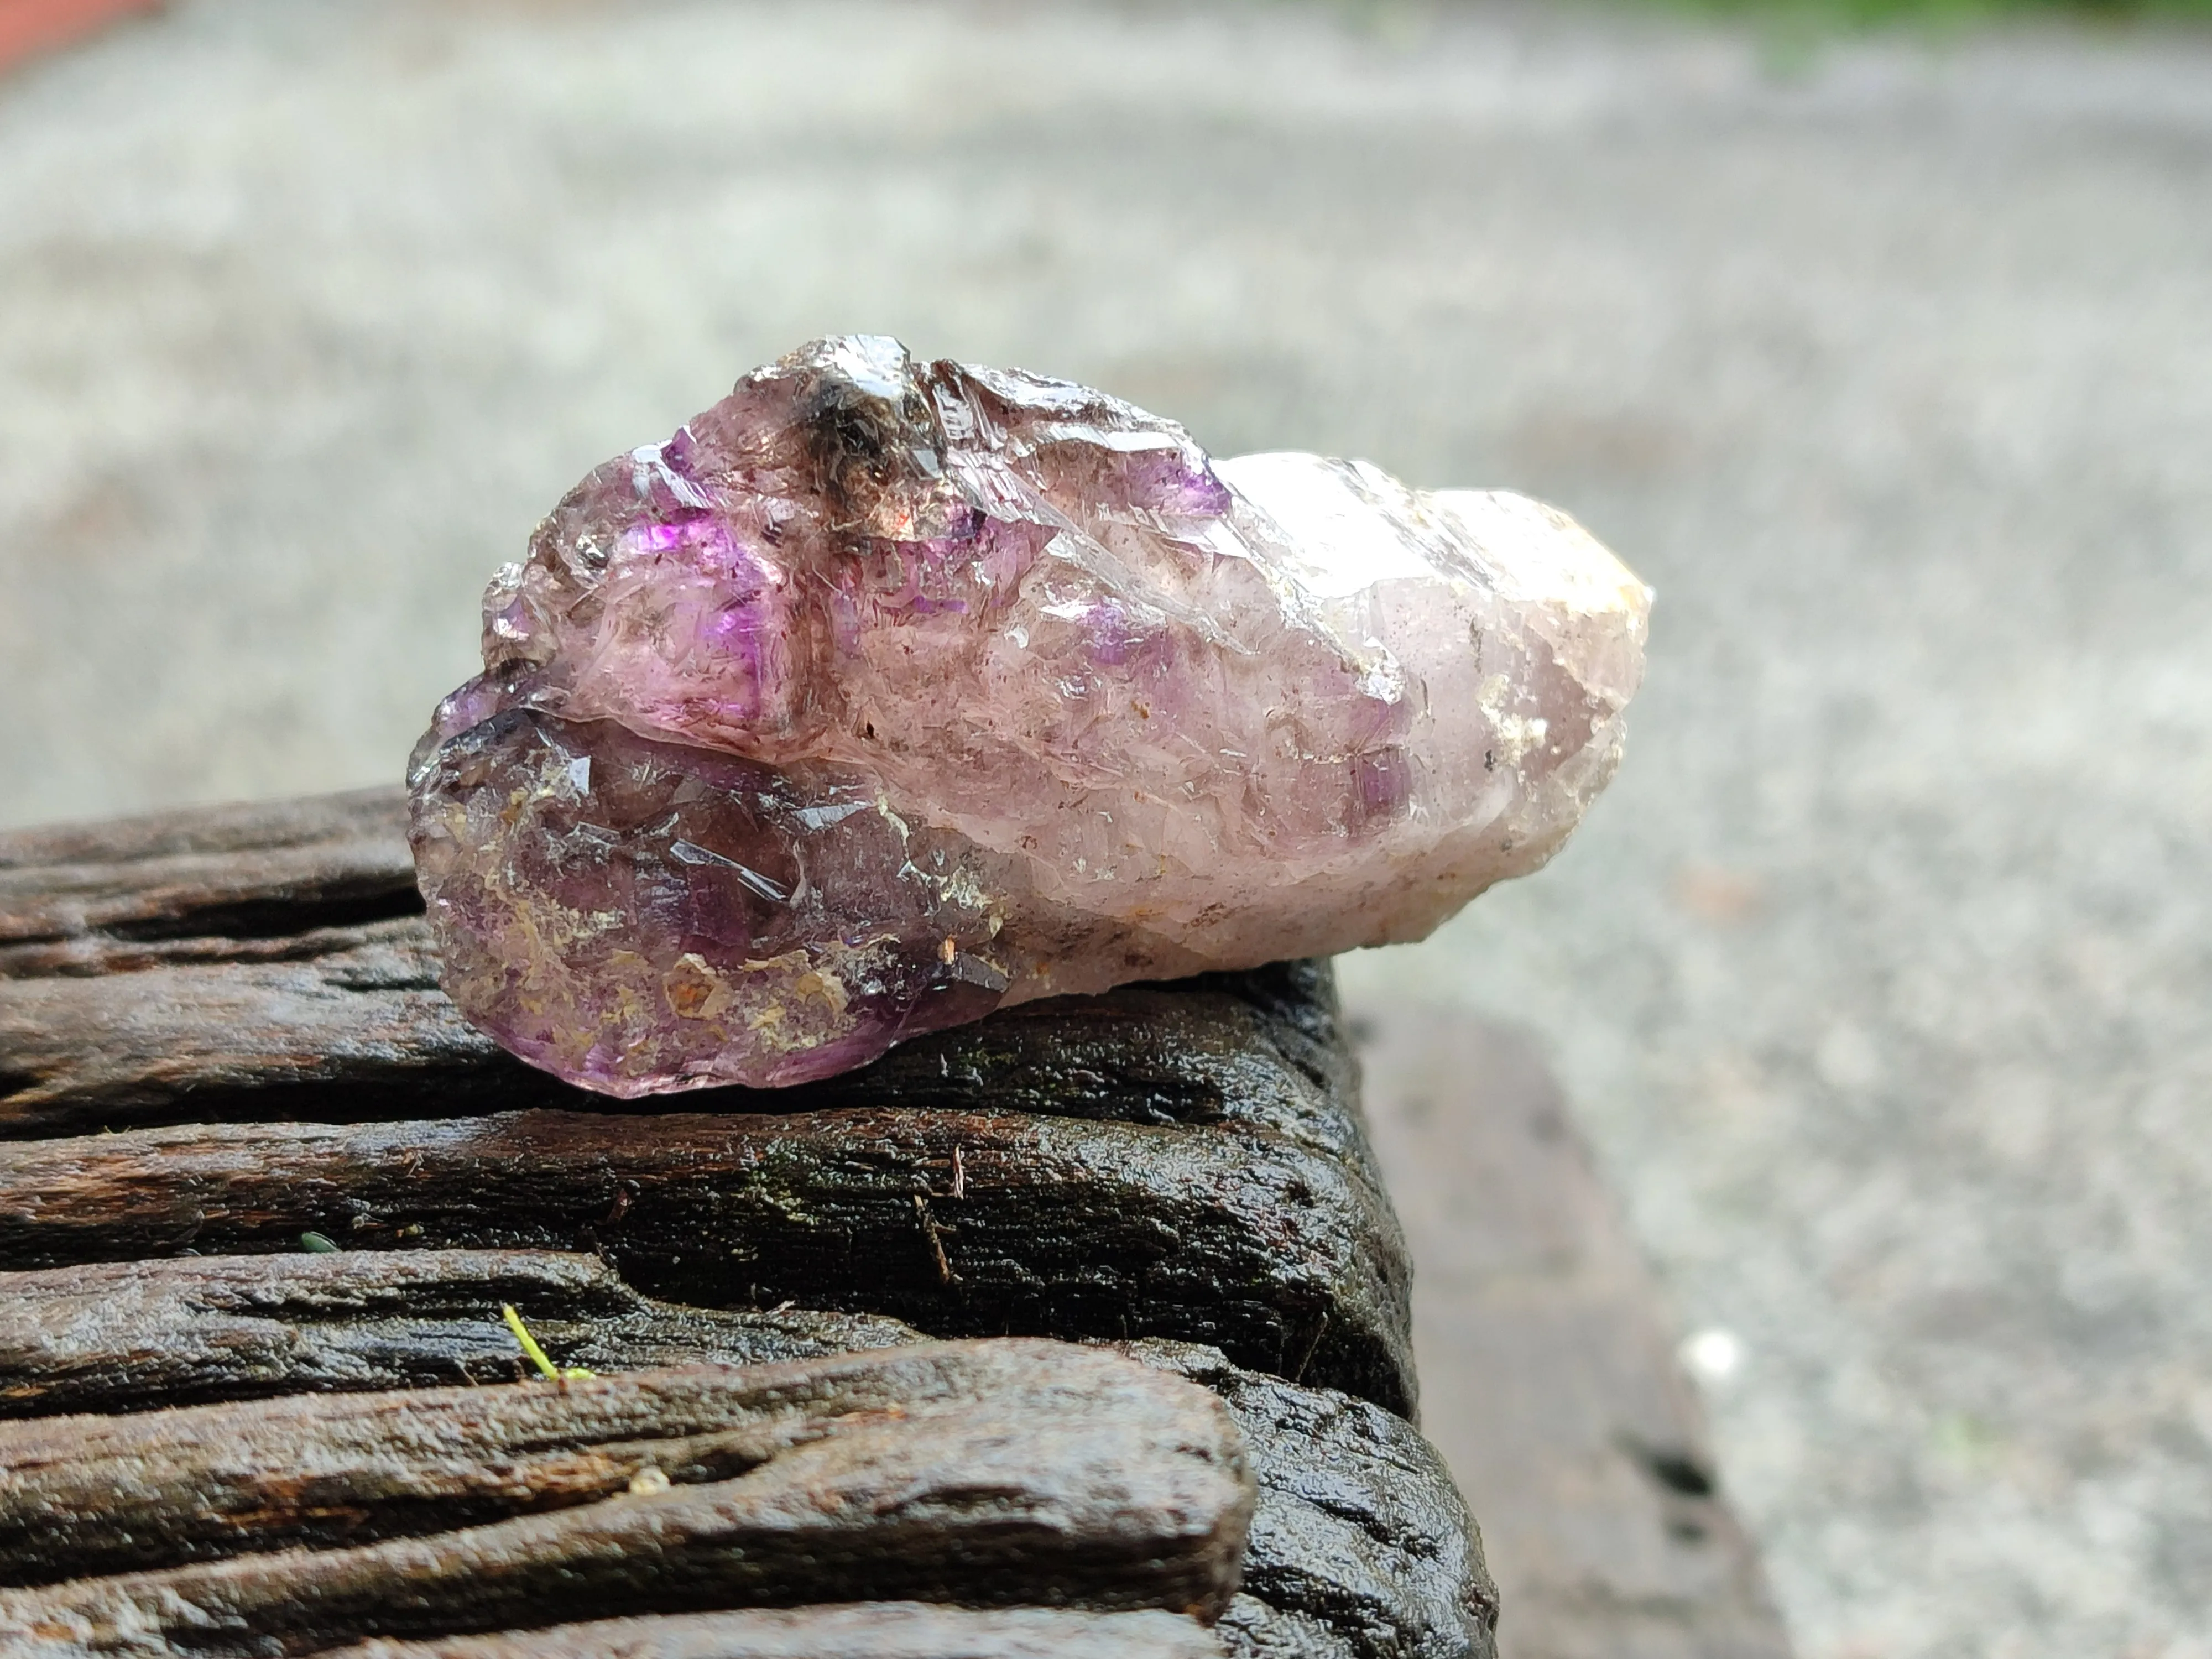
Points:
(884, 693)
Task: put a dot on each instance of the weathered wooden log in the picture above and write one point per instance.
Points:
(1183, 1160)
(960, 1223)
(83, 1495)
(211, 881)
(123, 1336)
(994, 1472)
(234, 966)
(234, 963)
(346, 1023)
(152, 967)
(875, 1630)
(1360, 1547)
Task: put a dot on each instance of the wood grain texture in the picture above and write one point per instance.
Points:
(1062, 1227)
(221, 1030)
(125, 1336)
(262, 950)
(195, 884)
(242, 962)
(994, 1472)
(84, 1495)
(1360, 1547)
(250, 986)
(877, 1630)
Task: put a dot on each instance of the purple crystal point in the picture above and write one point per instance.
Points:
(883, 693)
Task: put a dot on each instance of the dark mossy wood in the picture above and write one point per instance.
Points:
(221, 1030)
(990, 1474)
(1183, 1161)
(123, 1336)
(877, 1629)
(353, 1029)
(82, 1496)
(961, 1223)
(1360, 1546)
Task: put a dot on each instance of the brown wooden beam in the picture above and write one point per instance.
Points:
(121, 1336)
(960, 1223)
(996, 1472)
(84, 1495)
(1360, 1549)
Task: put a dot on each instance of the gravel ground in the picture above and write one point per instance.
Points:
(1883, 977)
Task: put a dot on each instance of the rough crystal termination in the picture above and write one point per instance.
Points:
(884, 694)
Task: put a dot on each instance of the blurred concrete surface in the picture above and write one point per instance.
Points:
(1548, 1373)
(1881, 981)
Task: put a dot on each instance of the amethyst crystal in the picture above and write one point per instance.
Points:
(884, 693)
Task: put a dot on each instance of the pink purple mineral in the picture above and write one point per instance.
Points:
(884, 694)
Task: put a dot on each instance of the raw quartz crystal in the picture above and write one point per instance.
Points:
(884, 694)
